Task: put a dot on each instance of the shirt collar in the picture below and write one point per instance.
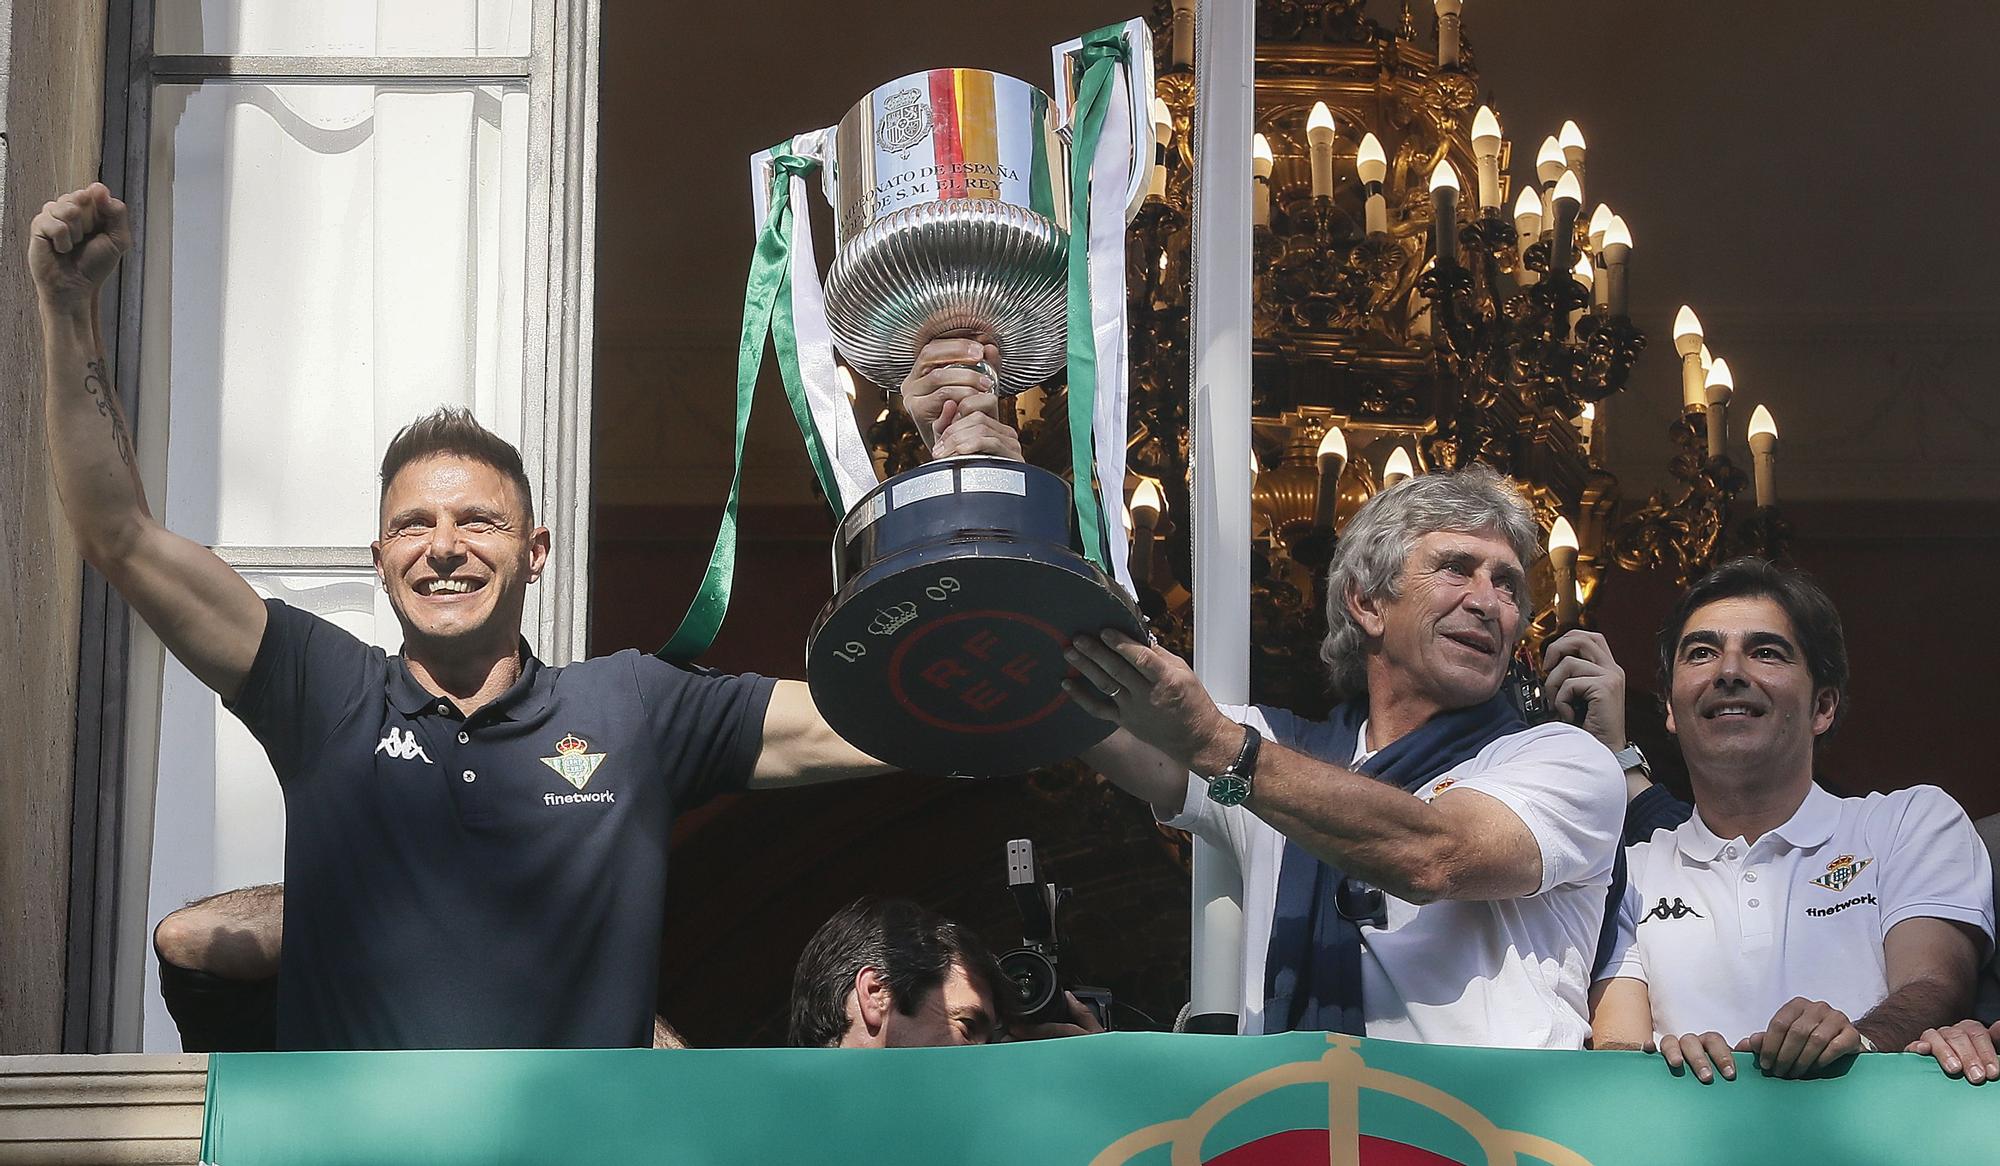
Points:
(524, 699)
(1810, 825)
(1813, 822)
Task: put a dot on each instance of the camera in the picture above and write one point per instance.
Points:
(1034, 968)
(1523, 686)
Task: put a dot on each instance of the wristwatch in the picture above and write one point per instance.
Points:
(1630, 758)
(1232, 785)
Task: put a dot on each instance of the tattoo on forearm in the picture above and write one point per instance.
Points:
(97, 382)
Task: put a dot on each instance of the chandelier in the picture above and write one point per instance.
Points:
(1412, 310)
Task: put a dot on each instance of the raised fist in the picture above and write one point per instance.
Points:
(75, 243)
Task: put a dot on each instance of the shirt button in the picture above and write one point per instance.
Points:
(1748, 876)
(1753, 902)
(464, 737)
(468, 776)
(445, 710)
(1729, 852)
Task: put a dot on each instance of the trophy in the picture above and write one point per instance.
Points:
(956, 584)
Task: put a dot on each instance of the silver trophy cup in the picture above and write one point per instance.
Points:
(956, 585)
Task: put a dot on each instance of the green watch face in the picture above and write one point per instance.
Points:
(1228, 789)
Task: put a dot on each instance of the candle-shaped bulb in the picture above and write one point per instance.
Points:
(1443, 177)
(1485, 132)
(1600, 219)
(1687, 331)
(1720, 378)
(1583, 271)
(1163, 121)
(1398, 467)
(1333, 445)
(1326, 495)
(1617, 235)
(1706, 358)
(1562, 536)
(1260, 182)
(1569, 190)
(1147, 503)
(1319, 141)
(1571, 141)
(1527, 213)
(1370, 162)
(1549, 163)
(1764, 455)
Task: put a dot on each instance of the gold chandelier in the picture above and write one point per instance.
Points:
(1412, 310)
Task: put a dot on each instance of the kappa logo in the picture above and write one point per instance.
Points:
(1443, 785)
(573, 761)
(1674, 910)
(402, 744)
(1840, 872)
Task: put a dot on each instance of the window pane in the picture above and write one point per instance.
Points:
(343, 28)
(323, 263)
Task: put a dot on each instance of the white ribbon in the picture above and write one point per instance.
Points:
(1110, 176)
(832, 413)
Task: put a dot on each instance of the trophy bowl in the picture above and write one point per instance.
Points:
(949, 190)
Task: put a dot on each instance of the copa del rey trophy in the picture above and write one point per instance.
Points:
(968, 202)
(965, 203)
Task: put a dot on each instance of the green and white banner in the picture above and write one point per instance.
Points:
(1141, 1098)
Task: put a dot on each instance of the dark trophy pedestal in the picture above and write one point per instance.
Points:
(957, 590)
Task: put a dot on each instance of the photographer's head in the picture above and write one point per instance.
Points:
(883, 973)
(1425, 590)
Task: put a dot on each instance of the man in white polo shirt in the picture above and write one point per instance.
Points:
(1781, 920)
(1424, 865)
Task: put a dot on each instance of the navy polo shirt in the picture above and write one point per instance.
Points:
(492, 881)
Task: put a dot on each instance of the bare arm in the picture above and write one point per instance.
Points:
(1931, 966)
(236, 935)
(201, 609)
(1621, 1014)
(1462, 845)
(1142, 771)
(800, 748)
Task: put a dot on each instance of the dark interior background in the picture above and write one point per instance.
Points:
(1814, 178)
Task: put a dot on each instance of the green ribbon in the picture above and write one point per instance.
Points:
(1104, 52)
(767, 312)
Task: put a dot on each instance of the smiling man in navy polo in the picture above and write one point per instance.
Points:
(476, 843)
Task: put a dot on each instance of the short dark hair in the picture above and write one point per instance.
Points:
(1812, 613)
(452, 430)
(913, 948)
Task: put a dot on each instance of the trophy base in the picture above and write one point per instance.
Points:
(942, 652)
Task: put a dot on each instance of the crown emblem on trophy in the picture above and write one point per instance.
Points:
(890, 620)
(905, 123)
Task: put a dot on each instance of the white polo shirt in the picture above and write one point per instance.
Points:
(1513, 973)
(1725, 932)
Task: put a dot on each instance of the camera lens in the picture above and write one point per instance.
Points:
(1034, 979)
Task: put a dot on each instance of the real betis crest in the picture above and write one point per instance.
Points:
(905, 122)
(1842, 871)
(573, 761)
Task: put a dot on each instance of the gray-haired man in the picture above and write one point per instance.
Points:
(1423, 865)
